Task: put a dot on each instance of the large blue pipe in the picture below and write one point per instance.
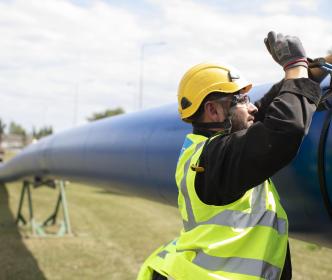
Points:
(137, 154)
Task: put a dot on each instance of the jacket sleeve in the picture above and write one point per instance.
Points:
(239, 161)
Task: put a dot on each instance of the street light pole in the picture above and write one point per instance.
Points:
(141, 77)
(141, 72)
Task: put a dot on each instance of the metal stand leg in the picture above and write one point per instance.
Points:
(39, 229)
(65, 207)
(20, 217)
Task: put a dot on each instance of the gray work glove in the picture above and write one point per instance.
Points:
(286, 50)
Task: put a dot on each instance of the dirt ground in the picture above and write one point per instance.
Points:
(112, 235)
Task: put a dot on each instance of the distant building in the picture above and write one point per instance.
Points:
(15, 142)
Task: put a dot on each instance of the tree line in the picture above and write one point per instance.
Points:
(37, 133)
(17, 129)
(105, 114)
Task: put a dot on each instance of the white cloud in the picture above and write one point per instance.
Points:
(50, 47)
(55, 55)
(281, 6)
(202, 32)
(308, 5)
(286, 6)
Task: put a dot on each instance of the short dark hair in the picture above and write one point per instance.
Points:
(211, 97)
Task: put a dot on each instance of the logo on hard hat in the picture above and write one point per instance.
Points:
(233, 75)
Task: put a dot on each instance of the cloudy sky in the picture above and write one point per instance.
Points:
(60, 60)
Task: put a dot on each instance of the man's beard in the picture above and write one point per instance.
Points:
(238, 123)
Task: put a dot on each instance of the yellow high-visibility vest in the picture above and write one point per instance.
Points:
(244, 240)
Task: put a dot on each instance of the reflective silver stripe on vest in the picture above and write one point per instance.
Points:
(234, 218)
(162, 254)
(234, 265)
(238, 219)
(258, 203)
(184, 189)
(237, 265)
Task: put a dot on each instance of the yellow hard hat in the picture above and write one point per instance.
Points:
(203, 79)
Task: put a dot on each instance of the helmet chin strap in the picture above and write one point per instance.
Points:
(225, 126)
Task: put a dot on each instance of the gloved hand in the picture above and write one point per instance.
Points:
(316, 73)
(286, 50)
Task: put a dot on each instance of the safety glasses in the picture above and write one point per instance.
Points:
(242, 99)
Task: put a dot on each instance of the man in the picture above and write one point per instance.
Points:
(234, 224)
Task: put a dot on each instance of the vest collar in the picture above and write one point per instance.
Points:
(204, 132)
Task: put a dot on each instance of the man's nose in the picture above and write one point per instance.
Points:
(252, 109)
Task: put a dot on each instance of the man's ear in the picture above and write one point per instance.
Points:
(211, 112)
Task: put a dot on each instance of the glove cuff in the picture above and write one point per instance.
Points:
(298, 62)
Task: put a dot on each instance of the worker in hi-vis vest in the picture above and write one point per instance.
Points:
(234, 226)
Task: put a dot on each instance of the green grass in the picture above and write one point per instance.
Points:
(112, 235)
